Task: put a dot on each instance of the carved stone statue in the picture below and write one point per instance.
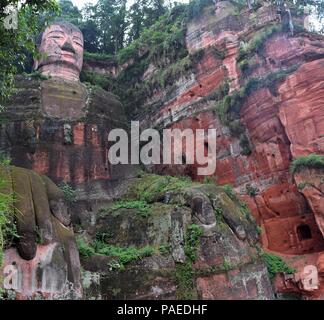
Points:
(61, 59)
(61, 51)
(45, 259)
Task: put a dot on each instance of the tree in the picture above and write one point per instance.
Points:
(90, 29)
(70, 12)
(143, 14)
(136, 17)
(153, 11)
(18, 38)
(110, 16)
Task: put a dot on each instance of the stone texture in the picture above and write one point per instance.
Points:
(283, 120)
(45, 259)
(65, 134)
(221, 253)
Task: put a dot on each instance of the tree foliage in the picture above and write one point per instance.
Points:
(17, 44)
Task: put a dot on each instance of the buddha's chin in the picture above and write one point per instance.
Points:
(62, 69)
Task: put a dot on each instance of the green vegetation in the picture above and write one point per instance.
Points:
(210, 180)
(259, 230)
(5, 160)
(17, 47)
(312, 161)
(143, 208)
(219, 214)
(69, 192)
(228, 109)
(306, 184)
(165, 249)
(248, 50)
(122, 255)
(162, 46)
(276, 265)
(165, 39)
(35, 75)
(196, 7)
(229, 191)
(7, 225)
(184, 273)
(151, 186)
(226, 265)
(183, 277)
(96, 79)
(85, 249)
(193, 235)
(99, 56)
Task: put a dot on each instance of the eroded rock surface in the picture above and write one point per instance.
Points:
(44, 259)
(226, 264)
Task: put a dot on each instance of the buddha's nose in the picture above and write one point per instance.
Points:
(67, 46)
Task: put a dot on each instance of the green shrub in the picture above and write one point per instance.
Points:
(226, 265)
(276, 265)
(7, 224)
(96, 79)
(153, 186)
(210, 180)
(219, 214)
(193, 234)
(303, 185)
(256, 44)
(196, 7)
(142, 207)
(183, 277)
(312, 161)
(229, 191)
(165, 249)
(124, 255)
(85, 249)
(98, 56)
(5, 160)
(69, 192)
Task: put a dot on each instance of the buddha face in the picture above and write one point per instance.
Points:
(61, 51)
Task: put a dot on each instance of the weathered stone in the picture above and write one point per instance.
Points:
(46, 259)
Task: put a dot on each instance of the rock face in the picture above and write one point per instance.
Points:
(60, 129)
(45, 260)
(281, 117)
(222, 262)
(261, 88)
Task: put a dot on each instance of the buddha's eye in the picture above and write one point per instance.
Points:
(77, 43)
(56, 37)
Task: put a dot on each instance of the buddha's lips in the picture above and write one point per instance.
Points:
(68, 54)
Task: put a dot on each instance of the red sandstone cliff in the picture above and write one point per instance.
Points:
(281, 116)
(283, 120)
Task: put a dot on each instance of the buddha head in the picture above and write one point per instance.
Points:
(61, 51)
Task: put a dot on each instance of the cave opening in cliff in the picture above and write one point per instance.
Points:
(304, 232)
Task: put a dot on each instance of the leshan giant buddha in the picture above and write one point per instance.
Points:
(61, 51)
(58, 126)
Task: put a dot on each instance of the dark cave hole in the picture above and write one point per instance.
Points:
(304, 232)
